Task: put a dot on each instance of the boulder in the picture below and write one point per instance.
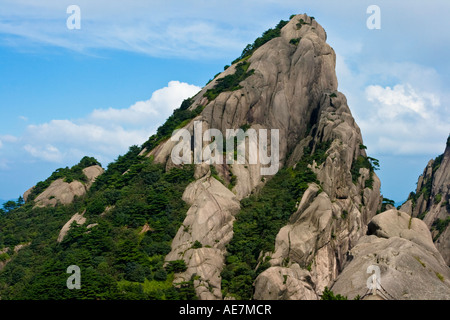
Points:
(394, 223)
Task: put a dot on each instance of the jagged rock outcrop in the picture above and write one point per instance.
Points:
(431, 201)
(293, 89)
(327, 224)
(63, 192)
(208, 222)
(401, 247)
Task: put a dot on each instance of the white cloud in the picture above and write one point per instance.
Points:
(399, 106)
(47, 152)
(404, 120)
(104, 133)
(401, 100)
(9, 138)
(159, 106)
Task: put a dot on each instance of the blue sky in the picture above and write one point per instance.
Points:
(96, 91)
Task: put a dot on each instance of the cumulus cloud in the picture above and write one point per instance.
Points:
(399, 106)
(104, 133)
(70, 135)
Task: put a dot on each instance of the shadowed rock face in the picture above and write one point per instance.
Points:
(431, 201)
(293, 89)
(402, 248)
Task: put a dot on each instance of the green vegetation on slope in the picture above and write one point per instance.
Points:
(11, 205)
(117, 261)
(440, 225)
(327, 294)
(231, 81)
(319, 155)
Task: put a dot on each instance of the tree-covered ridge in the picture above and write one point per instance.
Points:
(118, 258)
(68, 174)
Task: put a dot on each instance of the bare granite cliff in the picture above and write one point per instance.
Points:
(62, 192)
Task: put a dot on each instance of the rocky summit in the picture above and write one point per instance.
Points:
(153, 227)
